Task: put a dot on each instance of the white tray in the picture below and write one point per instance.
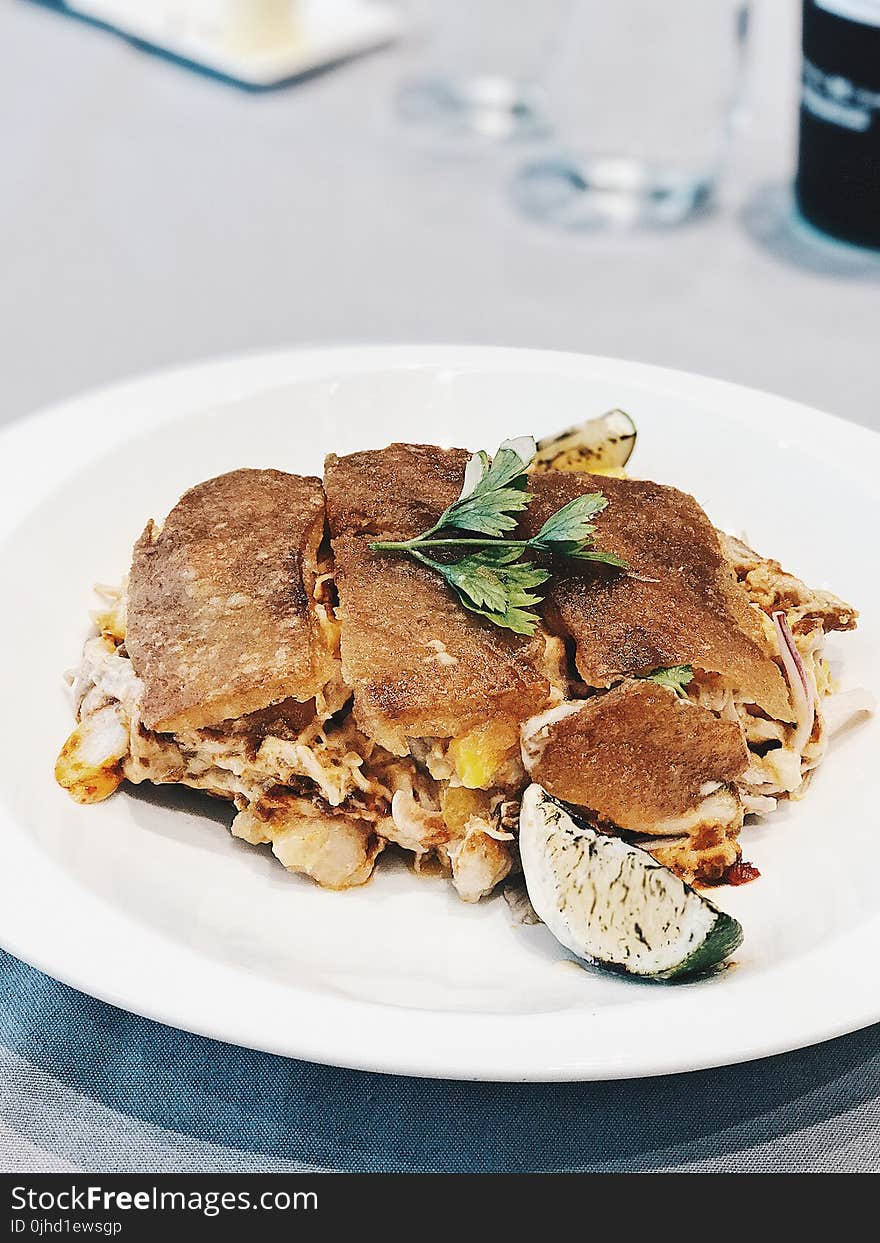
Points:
(318, 33)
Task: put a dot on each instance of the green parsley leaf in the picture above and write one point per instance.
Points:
(674, 677)
(568, 532)
(519, 620)
(492, 513)
(595, 554)
(493, 578)
(495, 583)
(570, 526)
(491, 495)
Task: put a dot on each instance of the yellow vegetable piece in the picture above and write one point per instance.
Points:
(459, 804)
(89, 766)
(478, 755)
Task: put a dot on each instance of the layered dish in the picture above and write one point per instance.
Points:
(532, 661)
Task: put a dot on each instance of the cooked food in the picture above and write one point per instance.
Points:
(601, 446)
(419, 665)
(392, 657)
(679, 604)
(612, 903)
(396, 491)
(222, 617)
(218, 668)
(431, 681)
(650, 763)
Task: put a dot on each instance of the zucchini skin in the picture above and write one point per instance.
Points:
(596, 445)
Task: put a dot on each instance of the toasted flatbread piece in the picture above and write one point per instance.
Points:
(679, 604)
(395, 492)
(221, 620)
(636, 755)
(419, 663)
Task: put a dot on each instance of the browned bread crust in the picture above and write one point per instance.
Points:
(680, 604)
(221, 620)
(396, 492)
(638, 755)
(419, 663)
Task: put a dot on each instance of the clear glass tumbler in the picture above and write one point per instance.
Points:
(479, 65)
(646, 96)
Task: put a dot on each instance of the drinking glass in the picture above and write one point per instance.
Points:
(646, 96)
(480, 64)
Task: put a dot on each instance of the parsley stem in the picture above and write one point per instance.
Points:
(418, 542)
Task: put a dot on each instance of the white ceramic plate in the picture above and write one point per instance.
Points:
(153, 907)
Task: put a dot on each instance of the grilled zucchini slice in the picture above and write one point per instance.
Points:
(602, 446)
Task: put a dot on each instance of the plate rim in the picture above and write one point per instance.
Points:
(256, 372)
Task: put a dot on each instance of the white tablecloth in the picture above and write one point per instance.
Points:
(151, 216)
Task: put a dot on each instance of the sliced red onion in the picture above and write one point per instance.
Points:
(803, 692)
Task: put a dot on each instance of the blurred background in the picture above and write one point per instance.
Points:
(614, 179)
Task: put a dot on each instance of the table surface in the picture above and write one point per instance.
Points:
(151, 216)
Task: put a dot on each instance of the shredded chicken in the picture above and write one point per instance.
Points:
(337, 849)
(289, 791)
(781, 757)
(771, 588)
(479, 862)
(328, 799)
(780, 764)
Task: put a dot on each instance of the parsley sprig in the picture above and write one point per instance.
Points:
(493, 576)
(673, 677)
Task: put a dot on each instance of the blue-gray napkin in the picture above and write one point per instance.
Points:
(84, 1085)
